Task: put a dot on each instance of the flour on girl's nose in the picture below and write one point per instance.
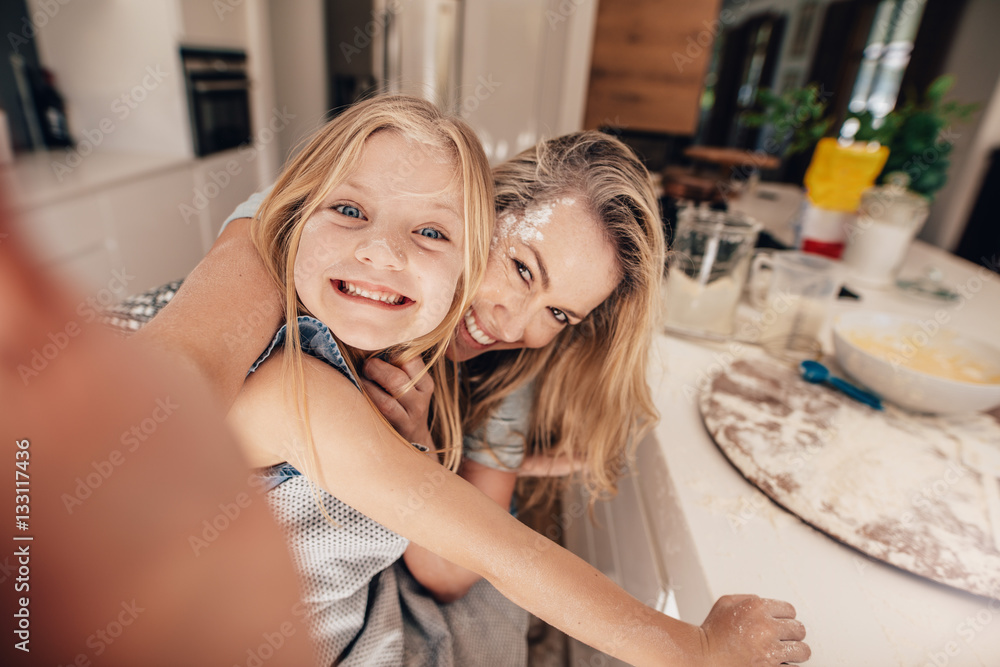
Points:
(393, 249)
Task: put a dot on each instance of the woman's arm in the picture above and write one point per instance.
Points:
(236, 307)
(362, 462)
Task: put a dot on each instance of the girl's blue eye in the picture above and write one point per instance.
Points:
(348, 210)
(431, 233)
(560, 316)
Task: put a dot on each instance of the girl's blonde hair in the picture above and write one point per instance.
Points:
(327, 160)
(591, 401)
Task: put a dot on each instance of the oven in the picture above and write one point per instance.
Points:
(218, 90)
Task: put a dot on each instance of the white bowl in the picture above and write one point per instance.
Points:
(895, 344)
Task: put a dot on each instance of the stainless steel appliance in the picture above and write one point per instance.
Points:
(218, 98)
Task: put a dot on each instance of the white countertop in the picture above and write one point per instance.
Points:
(717, 534)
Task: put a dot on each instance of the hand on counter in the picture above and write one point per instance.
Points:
(750, 630)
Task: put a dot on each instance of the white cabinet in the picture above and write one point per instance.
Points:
(154, 243)
(624, 543)
(149, 219)
(221, 183)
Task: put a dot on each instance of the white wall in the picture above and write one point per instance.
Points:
(214, 24)
(974, 59)
(525, 70)
(298, 47)
(118, 68)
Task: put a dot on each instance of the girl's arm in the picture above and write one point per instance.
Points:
(363, 463)
(407, 412)
(446, 581)
(237, 309)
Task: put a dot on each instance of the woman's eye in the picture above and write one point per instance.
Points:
(523, 270)
(348, 211)
(560, 316)
(431, 233)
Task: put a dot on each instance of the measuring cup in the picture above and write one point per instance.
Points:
(707, 270)
(795, 303)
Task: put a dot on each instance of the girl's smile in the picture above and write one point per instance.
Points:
(375, 294)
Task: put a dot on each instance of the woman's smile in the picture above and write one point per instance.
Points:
(476, 332)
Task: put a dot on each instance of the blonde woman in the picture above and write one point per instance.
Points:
(567, 265)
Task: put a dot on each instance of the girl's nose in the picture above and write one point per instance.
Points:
(381, 253)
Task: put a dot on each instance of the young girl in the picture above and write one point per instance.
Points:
(377, 233)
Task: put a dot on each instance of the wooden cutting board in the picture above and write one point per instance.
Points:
(891, 484)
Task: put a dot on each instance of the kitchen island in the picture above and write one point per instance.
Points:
(689, 528)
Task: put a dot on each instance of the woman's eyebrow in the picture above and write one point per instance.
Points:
(541, 265)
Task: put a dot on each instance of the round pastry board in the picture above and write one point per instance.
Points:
(891, 484)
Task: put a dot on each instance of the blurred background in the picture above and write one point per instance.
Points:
(131, 129)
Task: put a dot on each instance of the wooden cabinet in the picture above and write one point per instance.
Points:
(649, 63)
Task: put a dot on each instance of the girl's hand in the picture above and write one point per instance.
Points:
(750, 630)
(407, 412)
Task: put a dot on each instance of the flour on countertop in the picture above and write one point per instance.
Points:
(891, 484)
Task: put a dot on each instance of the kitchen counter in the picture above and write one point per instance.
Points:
(717, 534)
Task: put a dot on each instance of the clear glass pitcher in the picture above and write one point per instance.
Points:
(707, 270)
(794, 299)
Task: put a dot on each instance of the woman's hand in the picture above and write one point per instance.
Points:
(750, 630)
(406, 411)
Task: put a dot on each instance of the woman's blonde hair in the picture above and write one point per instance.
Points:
(591, 401)
(327, 160)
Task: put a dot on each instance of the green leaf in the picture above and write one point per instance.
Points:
(939, 87)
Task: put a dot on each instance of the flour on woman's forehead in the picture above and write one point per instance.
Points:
(527, 225)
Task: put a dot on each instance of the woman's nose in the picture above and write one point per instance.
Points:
(382, 253)
(511, 320)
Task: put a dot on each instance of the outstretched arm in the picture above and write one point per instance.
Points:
(223, 316)
(80, 414)
(407, 412)
(363, 463)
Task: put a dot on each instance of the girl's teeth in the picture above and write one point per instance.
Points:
(474, 331)
(385, 297)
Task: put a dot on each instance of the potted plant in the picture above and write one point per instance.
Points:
(917, 137)
(796, 116)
